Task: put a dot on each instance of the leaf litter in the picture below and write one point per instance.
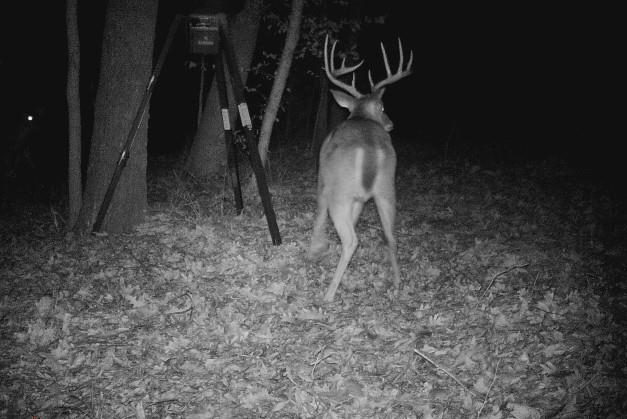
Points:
(512, 306)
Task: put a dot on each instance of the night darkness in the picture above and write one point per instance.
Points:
(532, 75)
(525, 75)
(486, 279)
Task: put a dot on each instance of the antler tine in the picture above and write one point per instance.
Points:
(385, 60)
(333, 73)
(400, 72)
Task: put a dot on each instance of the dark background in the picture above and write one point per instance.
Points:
(541, 78)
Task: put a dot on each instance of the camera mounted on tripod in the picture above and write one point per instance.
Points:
(204, 33)
(207, 35)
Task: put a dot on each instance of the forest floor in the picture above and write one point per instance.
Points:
(513, 304)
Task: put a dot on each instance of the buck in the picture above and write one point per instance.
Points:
(357, 163)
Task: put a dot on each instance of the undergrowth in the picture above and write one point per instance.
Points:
(512, 303)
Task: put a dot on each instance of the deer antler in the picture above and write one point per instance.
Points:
(400, 73)
(333, 73)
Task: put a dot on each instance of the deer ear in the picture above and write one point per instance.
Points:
(343, 99)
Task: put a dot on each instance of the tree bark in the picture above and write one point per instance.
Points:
(126, 65)
(285, 63)
(337, 114)
(321, 124)
(207, 155)
(74, 114)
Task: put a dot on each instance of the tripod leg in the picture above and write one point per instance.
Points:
(255, 160)
(201, 89)
(231, 156)
(139, 117)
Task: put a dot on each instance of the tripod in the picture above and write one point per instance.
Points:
(208, 37)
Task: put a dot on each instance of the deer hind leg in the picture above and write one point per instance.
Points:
(319, 242)
(386, 206)
(344, 215)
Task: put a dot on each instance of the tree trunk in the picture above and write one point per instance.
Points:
(337, 114)
(208, 155)
(285, 63)
(321, 124)
(126, 65)
(74, 114)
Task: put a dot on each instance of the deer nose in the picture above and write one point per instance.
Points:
(388, 126)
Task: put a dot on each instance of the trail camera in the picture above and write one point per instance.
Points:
(204, 34)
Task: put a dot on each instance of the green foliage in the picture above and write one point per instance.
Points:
(320, 18)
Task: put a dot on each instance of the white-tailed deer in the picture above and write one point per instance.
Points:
(357, 162)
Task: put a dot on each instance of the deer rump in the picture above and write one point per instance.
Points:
(356, 159)
(357, 163)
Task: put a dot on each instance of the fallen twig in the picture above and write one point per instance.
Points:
(485, 399)
(446, 372)
(502, 273)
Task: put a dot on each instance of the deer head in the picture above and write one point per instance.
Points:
(357, 163)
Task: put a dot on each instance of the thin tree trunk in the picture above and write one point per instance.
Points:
(126, 65)
(74, 114)
(285, 63)
(321, 124)
(207, 154)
